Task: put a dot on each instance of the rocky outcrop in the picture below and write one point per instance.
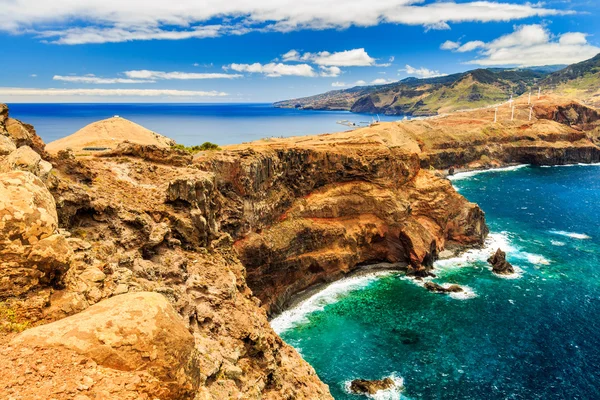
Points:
(33, 253)
(131, 332)
(437, 288)
(499, 263)
(315, 212)
(363, 386)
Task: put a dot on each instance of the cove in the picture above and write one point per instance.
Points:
(534, 335)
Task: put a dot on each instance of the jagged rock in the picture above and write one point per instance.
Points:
(436, 288)
(130, 332)
(499, 263)
(24, 159)
(32, 252)
(7, 146)
(24, 135)
(363, 386)
(152, 153)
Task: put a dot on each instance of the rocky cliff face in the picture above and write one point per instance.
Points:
(137, 239)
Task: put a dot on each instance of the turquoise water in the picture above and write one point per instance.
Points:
(535, 336)
(190, 124)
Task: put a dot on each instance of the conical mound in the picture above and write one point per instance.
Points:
(108, 134)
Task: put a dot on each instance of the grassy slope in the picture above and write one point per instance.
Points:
(580, 81)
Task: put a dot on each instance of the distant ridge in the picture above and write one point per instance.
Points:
(580, 81)
(471, 89)
(107, 134)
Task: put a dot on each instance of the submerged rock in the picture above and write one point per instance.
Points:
(499, 263)
(363, 386)
(436, 288)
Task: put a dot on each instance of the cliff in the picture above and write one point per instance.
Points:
(103, 254)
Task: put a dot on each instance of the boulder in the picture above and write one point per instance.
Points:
(436, 288)
(24, 135)
(32, 252)
(363, 386)
(7, 146)
(131, 332)
(25, 159)
(499, 263)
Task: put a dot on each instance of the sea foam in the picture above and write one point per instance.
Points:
(317, 302)
(573, 235)
(468, 174)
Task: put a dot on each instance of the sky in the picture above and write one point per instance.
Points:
(267, 50)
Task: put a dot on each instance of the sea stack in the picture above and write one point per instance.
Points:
(499, 263)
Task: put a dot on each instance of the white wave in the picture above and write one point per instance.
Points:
(535, 258)
(518, 274)
(466, 294)
(394, 393)
(573, 235)
(557, 243)
(468, 174)
(493, 242)
(317, 302)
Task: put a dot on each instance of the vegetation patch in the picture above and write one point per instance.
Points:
(206, 146)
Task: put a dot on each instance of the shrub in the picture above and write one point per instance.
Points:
(206, 146)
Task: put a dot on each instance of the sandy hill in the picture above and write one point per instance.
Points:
(107, 134)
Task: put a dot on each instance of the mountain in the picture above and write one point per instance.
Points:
(580, 81)
(412, 96)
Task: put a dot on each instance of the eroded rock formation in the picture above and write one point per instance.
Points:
(363, 386)
(499, 263)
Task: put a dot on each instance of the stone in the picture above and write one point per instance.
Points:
(363, 386)
(499, 263)
(7, 146)
(25, 159)
(24, 135)
(130, 332)
(436, 288)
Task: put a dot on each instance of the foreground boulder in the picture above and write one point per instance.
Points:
(363, 386)
(499, 263)
(32, 251)
(130, 332)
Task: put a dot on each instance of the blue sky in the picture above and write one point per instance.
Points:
(268, 50)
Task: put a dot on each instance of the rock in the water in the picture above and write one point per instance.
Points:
(499, 263)
(436, 288)
(131, 332)
(363, 386)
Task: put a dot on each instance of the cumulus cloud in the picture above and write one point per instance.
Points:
(379, 81)
(530, 45)
(450, 45)
(101, 21)
(93, 79)
(421, 72)
(8, 91)
(275, 69)
(346, 58)
(154, 75)
(330, 71)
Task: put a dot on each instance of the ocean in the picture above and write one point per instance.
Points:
(534, 335)
(191, 124)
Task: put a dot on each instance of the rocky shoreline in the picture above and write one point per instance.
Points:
(216, 241)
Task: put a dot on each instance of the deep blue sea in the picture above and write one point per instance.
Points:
(535, 335)
(190, 124)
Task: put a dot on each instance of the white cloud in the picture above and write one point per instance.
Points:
(382, 81)
(7, 91)
(421, 72)
(470, 46)
(330, 71)
(360, 83)
(101, 21)
(530, 45)
(33, 75)
(450, 45)
(153, 75)
(275, 69)
(338, 84)
(96, 80)
(346, 58)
